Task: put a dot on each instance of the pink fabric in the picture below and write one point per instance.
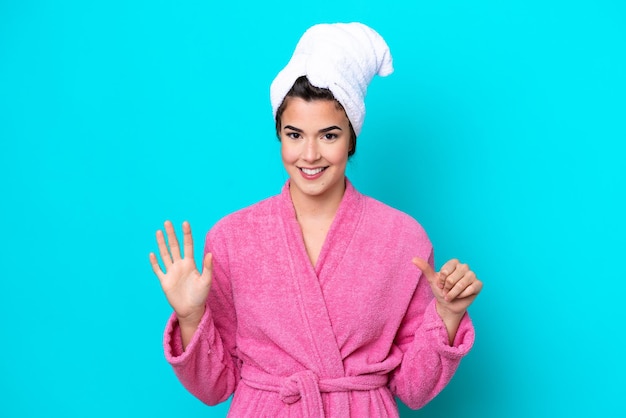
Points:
(338, 339)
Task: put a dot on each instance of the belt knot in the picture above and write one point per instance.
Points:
(298, 384)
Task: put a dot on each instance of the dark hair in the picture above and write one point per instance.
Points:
(303, 89)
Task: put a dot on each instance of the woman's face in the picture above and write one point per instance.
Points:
(315, 138)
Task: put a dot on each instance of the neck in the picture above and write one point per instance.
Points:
(317, 207)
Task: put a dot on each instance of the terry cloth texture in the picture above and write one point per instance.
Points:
(340, 338)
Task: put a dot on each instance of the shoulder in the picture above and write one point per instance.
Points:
(394, 227)
(388, 216)
(245, 220)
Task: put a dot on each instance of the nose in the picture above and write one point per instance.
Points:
(311, 150)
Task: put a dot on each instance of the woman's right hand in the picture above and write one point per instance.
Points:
(184, 286)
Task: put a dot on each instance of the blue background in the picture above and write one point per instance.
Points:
(502, 131)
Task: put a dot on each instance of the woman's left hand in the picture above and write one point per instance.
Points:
(455, 286)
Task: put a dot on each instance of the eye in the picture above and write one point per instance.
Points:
(293, 135)
(330, 137)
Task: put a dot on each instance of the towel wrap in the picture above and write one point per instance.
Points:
(340, 57)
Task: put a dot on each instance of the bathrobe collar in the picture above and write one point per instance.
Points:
(344, 225)
(309, 281)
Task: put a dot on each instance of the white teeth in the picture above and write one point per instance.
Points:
(312, 171)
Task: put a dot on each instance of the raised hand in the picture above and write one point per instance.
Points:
(455, 287)
(184, 286)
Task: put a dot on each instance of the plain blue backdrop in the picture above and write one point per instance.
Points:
(502, 131)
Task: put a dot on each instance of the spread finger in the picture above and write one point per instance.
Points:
(163, 251)
(172, 240)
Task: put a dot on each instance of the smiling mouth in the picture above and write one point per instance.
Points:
(312, 171)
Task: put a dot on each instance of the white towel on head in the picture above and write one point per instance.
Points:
(342, 57)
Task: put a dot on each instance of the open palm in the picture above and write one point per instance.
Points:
(185, 288)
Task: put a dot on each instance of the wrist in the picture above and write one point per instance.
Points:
(448, 315)
(451, 321)
(192, 320)
(188, 326)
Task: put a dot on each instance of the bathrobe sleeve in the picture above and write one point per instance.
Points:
(209, 367)
(428, 362)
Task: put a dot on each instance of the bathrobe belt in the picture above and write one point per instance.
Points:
(306, 386)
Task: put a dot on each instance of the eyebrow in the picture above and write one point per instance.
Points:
(324, 130)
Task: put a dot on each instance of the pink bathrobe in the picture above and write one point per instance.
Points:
(339, 339)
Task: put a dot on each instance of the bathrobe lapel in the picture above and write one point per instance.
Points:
(340, 235)
(309, 280)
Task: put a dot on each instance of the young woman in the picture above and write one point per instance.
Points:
(319, 301)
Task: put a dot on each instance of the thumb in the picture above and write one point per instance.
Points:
(427, 270)
(207, 265)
